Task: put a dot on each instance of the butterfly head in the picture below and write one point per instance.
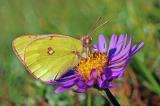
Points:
(86, 40)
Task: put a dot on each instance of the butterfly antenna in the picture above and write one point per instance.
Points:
(100, 26)
(94, 25)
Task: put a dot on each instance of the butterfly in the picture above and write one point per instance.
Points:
(48, 57)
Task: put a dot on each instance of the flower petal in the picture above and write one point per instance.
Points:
(137, 48)
(123, 52)
(90, 82)
(119, 43)
(113, 42)
(68, 83)
(95, 47)
(117, 73)
(125, 41)
(68, 73)
(81, 84)
(67, 78)
(102, 43)
(107, 73)
(51, 82)
(100, 82)
(93, 74)
(111, 53)
(117, 64)
(105, 84)
(79, 90)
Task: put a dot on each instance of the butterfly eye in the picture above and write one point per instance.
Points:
(50, 51)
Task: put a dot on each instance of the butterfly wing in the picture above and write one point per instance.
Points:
(49, 57)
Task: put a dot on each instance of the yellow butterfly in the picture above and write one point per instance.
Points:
(48, 57)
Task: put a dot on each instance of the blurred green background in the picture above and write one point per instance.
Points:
(140, 18)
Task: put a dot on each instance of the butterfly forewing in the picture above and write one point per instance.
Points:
(50, 57)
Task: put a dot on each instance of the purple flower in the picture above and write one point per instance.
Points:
(103, 64)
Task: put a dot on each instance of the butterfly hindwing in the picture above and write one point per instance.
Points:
(20, 43)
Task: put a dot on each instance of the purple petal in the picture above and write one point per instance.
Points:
(107, 74)
(51, 82)
(111, 53)
(68, 83)
(90, 82)
(80, 90)
(133, 48)
(104, 77)
(105, 84)
(125, 41)
(68, 73)
(123, 58)
(117, 64)
(121, 74)
(137, 48)
(81, 84)
(112, 85)
(119, 44)
(60, 89)
(113, 41)
(68, 78)
(117, 73)
(102, 44)
(95, 47)
(124, 51)
(100, 81)
(117, 69)
(93, 74)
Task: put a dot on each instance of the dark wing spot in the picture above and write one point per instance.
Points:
(50, 51)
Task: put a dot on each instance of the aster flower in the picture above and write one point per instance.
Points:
(104, 64)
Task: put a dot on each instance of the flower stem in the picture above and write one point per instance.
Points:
(88, 99)
(111, 98)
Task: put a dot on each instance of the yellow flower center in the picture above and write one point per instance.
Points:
(96, 61)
